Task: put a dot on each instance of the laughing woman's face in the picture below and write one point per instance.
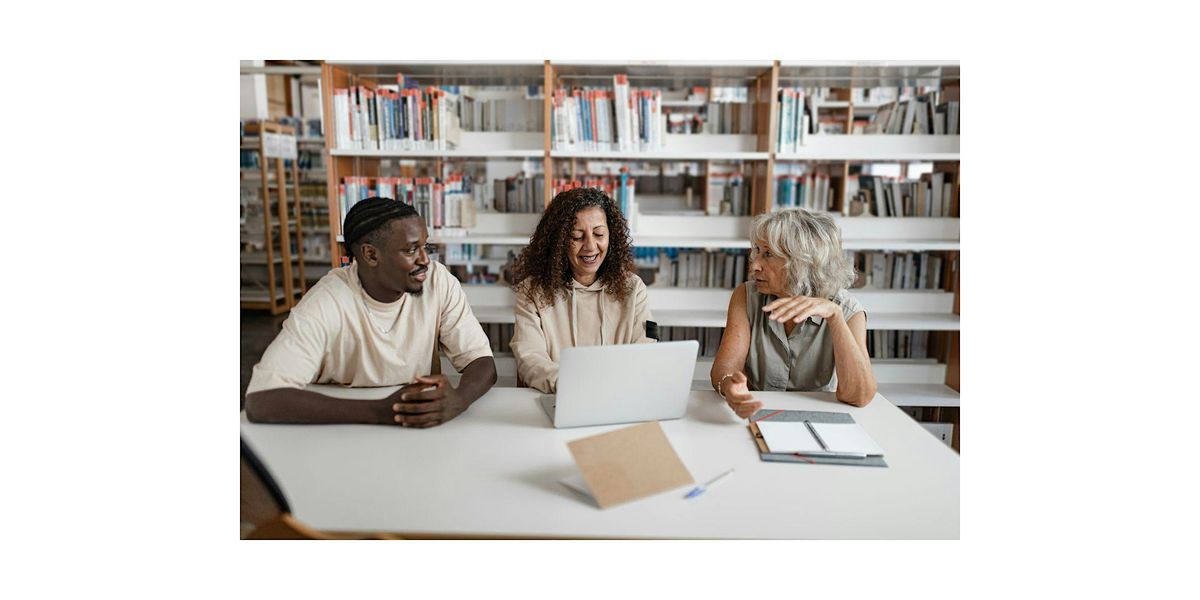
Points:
(589, 244)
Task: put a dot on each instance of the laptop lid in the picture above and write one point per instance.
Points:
(627, 383)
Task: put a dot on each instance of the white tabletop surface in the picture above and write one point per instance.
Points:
(495, 471)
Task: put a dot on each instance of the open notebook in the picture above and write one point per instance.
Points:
(814, 437)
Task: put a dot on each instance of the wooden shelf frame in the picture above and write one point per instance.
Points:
(292, 283)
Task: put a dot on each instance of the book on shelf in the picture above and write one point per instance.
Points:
(622, 189)
(913, 114)
(513, 109)
(499, 335)
(898, 270)
(811, 191)
(448, 207)
(890, 343)
(796, 115)
(881, 196)
(716, 110)
(398, 117)
(709, 337)
(600, 119)
(728, 194)
(519, 194)
(673, 267)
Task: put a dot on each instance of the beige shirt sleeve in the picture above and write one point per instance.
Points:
(529, 347)
(462, 337)
(293, 360)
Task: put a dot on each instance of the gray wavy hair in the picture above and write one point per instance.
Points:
(811, 245)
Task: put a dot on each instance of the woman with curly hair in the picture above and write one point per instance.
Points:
(576, 285)
(793, 325)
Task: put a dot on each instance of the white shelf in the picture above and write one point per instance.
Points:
(514, 153)
(917, 394)
(908, 370)
(680, 146)
(664, 154)
(706, 307)
(481, 144)
(252, 143)
(478, 262)
(914, 245)
(684, 103)
(876, 147)
(650, 241)
(915, 321)
(480, 238)
(644, 241)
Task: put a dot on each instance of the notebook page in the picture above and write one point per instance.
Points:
(847, 437)
(788, 436)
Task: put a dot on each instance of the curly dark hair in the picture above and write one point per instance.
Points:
(543, 270)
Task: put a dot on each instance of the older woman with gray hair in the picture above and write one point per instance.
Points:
(793, 325)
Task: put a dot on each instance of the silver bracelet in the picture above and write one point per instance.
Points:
(722, 382)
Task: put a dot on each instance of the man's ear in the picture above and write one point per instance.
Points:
(370, 254)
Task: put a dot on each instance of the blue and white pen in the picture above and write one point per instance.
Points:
(700, 489)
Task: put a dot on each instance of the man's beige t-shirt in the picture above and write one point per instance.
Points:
(339, 334)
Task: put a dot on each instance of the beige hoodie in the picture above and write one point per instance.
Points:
(586, 317)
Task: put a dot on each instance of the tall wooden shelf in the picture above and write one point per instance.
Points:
(280, 186)
(756, 152)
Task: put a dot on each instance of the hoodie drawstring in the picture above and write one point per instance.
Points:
(575, 316)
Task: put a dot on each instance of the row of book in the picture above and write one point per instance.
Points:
(395, 117)
(919, 115)
(448, 206)
(622, 189)
(712, 118)
(930, 196)
(898, 270)
(520, 194)
(501, 114)
(475, 276)
(797, 113)
(500, 335)
(306, 160)
(890, 343)
(811, 191)
(304, 128)
(728, 194)
(709, 337)
(621, 118)
(673, 267)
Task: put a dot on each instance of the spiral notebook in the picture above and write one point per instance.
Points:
(814, 437)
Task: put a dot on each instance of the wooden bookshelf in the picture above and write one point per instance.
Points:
(281, 211)
(915, 382)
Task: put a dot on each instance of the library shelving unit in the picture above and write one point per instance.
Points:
(314, 219)
(272, 278)
(920, 382)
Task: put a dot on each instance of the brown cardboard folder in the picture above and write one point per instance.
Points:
(629, 464)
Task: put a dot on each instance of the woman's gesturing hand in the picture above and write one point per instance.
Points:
(799, 308)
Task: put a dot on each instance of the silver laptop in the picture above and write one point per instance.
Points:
(602, 385)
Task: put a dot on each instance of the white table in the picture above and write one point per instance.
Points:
(494, 471)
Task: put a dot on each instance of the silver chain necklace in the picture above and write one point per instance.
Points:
(371, 317)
